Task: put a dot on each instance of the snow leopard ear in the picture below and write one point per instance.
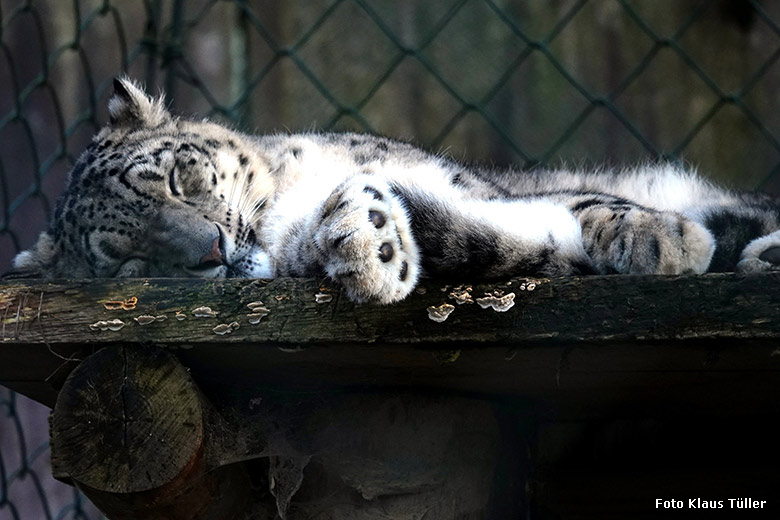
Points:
(131, 106)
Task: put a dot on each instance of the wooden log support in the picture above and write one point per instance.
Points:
(129, 429)
(132, 431)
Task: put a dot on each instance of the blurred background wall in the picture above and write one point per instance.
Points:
(550, 82)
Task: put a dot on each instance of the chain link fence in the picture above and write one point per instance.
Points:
(539, 82)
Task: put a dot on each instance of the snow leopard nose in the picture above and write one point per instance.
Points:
(216, 256)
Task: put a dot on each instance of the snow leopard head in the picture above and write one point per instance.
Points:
(156, 195)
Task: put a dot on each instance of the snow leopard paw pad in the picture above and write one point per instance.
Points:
(762, 254)
(365, 242)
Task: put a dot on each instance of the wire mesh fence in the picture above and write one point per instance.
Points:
(27, 490)
(531, 83)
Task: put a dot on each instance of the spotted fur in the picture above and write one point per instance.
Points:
(158, 195)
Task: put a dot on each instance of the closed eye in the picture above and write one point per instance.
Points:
(172, 183)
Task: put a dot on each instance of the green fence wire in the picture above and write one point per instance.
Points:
(537, 82)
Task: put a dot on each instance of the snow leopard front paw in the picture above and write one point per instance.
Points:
(364, 241)
(636, 240)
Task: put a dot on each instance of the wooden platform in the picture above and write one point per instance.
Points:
(574, 344)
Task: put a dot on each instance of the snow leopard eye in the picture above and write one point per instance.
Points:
(173, 184)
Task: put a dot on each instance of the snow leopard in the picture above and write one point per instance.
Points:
(161, 195)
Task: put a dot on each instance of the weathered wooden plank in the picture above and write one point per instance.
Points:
(593, 309)
(607, 339)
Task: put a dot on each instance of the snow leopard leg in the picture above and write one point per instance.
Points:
(622, 237)
(467, 238)
(376, 237)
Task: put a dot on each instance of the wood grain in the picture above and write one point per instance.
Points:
(595, 339)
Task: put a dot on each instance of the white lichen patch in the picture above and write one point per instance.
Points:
(258, 314)
(497, 301)
(226, 328)
(461, 294)
(323, 297)
(254, 319)
(222, 329)
(146, 319)
(204, 312)
(440, 313)
(115, 324)
(527, 286)
(255, 305)
(180, 316)
(107, 325)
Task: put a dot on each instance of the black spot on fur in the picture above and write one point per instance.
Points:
(129, 185)
(337, 242)
(374, 192)
(108, 249)
(732, 233)
(655, 247)
(584, 204)
(361, 158)
(621, 247)
(149, 175)
(296, 152)
(243, 160)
